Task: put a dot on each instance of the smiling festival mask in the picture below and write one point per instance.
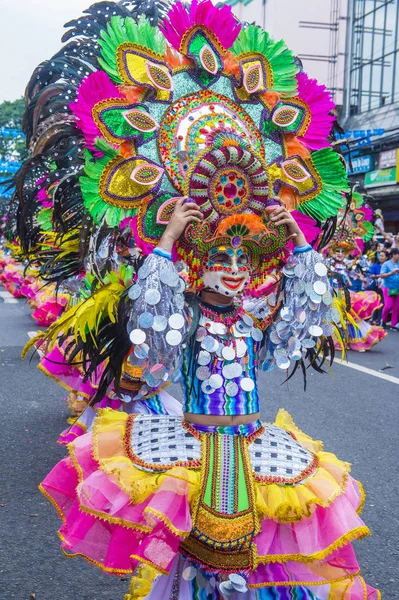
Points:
(233, 257)
(226, 270)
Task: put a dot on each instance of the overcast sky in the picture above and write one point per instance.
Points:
(31, 32)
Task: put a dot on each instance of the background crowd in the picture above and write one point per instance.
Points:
(377, 269)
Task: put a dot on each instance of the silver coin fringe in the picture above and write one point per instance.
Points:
(306, 314)
(158, 323)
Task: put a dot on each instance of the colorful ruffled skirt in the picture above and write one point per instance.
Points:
(12, 278)
(364, 304)
(363, 336)
(258, 514)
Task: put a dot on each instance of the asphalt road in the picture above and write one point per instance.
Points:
(354, 413)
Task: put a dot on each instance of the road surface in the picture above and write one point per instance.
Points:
(353, 411)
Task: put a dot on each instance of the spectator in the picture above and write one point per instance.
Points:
(387, 246)
(390, 281)
(375, 285)
(391, 240)
(357, 279)
(379, 221)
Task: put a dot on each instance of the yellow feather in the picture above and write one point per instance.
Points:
(83, 319)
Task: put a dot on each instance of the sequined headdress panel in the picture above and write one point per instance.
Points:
(354, 228)
(198, 105)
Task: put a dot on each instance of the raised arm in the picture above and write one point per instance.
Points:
(386, 271)
(303, 320)
(159, 318)
(306, 317)
(385, 235)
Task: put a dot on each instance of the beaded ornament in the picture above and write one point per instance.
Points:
(205, 107)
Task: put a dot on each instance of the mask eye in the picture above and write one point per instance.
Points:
(243, 260)
(221, 258)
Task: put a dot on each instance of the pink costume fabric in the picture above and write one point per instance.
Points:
(133, 516)
(364, 336)
(391, 308)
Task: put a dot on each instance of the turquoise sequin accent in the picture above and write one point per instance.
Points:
(245, 430)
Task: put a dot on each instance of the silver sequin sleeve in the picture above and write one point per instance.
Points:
(306, 313)
(158, 323)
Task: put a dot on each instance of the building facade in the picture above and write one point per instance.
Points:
(371, 103)
(315, 30)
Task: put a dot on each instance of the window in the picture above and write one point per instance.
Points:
(374, 64)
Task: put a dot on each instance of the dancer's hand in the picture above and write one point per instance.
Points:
(185, 212)
(279, 215)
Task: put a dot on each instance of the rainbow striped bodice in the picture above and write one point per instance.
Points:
(219, 367)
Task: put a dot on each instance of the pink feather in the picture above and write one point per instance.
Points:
(308, 226)
(320, 103)
(43, 198)
(360, 247)
(181, 18)
(94, 88)
(368, 213)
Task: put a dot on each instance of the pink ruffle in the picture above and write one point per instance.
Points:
(68, 376)
(28, 290)
(13, 288)
(366, 336)
(12, 278)
(85, 422)
(340, 562)
(349, 586)
(365, 303)
(315, 534)
(48, 312)
(102, 524)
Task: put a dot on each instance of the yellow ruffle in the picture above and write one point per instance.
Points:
(282, 503)
(110, 452)
(285, 503)
(141, 583)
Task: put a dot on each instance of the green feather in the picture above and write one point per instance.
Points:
(105, 148)
(279, 57)
(358, 198)
(127, 30)
(145, 34)
(370, 230)
(334, 183)
(44, 219)
(93, 202)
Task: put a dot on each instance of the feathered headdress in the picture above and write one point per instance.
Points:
(354, 227)
(141, 111)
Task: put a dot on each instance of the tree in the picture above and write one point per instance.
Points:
(11, 113)
(12, 147)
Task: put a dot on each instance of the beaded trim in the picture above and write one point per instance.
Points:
(254, 436)
(310, 469)
(136, 460)
(191, 429)
(228, 318)
(215, 561)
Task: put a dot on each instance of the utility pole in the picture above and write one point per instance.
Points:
(332, 27)
(348, 59)
(264, 2)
